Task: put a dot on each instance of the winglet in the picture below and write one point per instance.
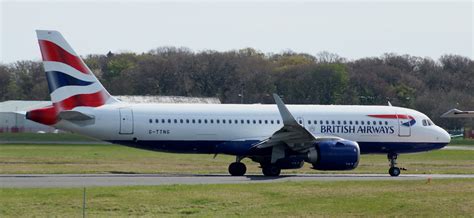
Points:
(288, 119)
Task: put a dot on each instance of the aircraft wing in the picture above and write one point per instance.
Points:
(292, 134)
(455, 113)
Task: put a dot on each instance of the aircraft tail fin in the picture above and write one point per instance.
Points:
(71, 83)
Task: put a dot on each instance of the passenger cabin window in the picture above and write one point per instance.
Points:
(150, 120)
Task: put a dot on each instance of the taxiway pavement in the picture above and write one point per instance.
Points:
(90, 180)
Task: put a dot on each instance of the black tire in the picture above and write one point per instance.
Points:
(394, 171)
(237, 169)
(271, 170)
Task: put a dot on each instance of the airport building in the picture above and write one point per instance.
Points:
(12, 113)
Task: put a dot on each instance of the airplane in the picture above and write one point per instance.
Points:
(456, 113)
(329, 137)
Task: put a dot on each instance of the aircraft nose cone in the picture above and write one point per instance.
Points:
(444, 136)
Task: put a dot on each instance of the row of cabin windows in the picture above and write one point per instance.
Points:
(230, 121)
(344, 122)
(217, 121)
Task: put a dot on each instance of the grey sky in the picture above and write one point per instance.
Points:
(352, 29)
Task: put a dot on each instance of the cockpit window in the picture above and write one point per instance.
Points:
(427, 122)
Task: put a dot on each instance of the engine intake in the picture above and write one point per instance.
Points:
(334, 155)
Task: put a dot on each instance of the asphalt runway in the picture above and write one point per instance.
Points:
(90, 180)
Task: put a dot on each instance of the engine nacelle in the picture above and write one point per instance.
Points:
(334, 155)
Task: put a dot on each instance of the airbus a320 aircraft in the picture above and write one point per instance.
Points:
(280, 136)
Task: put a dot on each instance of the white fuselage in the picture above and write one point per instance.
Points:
(173, 123)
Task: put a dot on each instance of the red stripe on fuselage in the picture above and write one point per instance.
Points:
(391, 116)
(52, 52)
(49, 115)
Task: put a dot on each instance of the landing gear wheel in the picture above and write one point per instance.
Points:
(271, 170)
(394, 171)
(237, 169)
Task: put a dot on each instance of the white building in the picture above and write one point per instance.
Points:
(12, 116)
(12, 113)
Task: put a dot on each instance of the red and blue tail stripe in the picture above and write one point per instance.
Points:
(58, 79)
(52, 52)
(70, 81)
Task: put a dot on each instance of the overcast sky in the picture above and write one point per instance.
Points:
(352, 29)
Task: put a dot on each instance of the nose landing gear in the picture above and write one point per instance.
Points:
(237, 168)
(394, 170)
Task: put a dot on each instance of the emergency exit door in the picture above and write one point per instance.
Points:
(126, 121)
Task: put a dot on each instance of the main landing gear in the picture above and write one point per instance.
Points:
(394, 170)
(271, 170)
(237, 168)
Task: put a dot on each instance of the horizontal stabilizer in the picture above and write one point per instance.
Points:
(74, 116)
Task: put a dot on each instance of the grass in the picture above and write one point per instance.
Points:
(107, 158)
(439, 198)
(44, 137)
(461, 141)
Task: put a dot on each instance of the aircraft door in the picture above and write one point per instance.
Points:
(404, 126)
(126, 121)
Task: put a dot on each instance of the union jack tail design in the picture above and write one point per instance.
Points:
(71, 83)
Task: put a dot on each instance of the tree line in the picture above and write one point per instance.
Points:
(249, 76)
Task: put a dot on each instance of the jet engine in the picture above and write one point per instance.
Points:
(334, 155)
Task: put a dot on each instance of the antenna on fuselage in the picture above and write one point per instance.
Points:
(389, 104)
